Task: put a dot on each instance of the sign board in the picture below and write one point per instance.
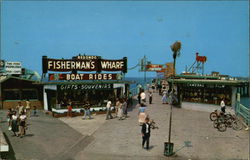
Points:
(87, 57)
(154, 67)
(66, 65)
(13, 68)
(85, 86)
(81, 76)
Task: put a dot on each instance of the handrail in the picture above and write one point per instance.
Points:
(244, 112)
(135, 91)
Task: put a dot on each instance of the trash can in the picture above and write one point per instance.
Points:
(168, 149)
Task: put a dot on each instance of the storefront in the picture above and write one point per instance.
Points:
(206, 89)
(15, 89)
(58, 95)
(81, 80)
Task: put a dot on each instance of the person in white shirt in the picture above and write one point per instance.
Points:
(143, 96)
(108, 106)
(223, 106)
(27, 108)
(22, 124)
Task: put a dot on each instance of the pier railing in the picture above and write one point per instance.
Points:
(135, 91)
(244, 112)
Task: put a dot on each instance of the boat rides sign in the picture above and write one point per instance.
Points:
(84, 64)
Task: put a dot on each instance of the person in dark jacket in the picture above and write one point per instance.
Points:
(145, 131)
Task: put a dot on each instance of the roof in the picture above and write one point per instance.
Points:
(196, 77)
(207, 81)
(5, 78)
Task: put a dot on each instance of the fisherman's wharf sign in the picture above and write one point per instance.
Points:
(84, 64)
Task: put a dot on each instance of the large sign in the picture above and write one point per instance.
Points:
(66, 65)
(154, 67)
(85, 86)
(81, 76)
(13, 68)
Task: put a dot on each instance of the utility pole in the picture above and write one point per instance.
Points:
(168, 150)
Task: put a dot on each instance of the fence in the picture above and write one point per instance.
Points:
(243, 111)
(135, 91)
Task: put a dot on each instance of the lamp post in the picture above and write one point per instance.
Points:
(168, 150)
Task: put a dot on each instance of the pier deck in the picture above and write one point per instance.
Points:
(113, 139)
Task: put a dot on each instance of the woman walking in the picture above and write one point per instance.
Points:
(14, 124)
(69, 114)
(117, 103)
(164, 98)
(28, 108)
(9, 117)
(125, 107)
(142, 114)
(22, 124)
(120, 111)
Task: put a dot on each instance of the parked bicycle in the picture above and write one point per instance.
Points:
(227, 121)
(215, 114)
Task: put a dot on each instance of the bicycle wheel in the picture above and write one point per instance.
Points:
(213, 116)
(216, 122)
(222, 127)
(237, 125)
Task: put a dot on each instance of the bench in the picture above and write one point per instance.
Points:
(4, 147)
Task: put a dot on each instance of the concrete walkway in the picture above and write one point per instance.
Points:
(99, 139)
(46, 138)
(116, 139)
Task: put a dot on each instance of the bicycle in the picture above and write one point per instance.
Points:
(227, 121)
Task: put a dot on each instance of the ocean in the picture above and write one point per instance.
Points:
(245, 101)
(137, 80)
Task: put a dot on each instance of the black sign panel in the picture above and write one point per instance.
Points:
(85, 86)
(81, 76)
(66, 65)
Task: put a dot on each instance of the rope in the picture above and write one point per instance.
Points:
(134, 67)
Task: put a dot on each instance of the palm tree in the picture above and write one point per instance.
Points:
(176, 47)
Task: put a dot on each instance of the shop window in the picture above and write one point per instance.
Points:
(29, 94)
(12, 94)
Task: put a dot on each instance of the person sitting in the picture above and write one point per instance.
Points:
(87, 111)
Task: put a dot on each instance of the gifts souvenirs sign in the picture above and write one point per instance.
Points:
(97, 76)
(85, 86)
(84, 64)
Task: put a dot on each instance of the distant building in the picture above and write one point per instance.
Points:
(208, 89)
(16, 89)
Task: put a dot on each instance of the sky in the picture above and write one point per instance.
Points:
(113, 30)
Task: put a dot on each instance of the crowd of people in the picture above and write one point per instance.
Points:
(17, 118)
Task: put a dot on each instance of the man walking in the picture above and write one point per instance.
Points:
(145, 131)
(150, 97)
(109, 115)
